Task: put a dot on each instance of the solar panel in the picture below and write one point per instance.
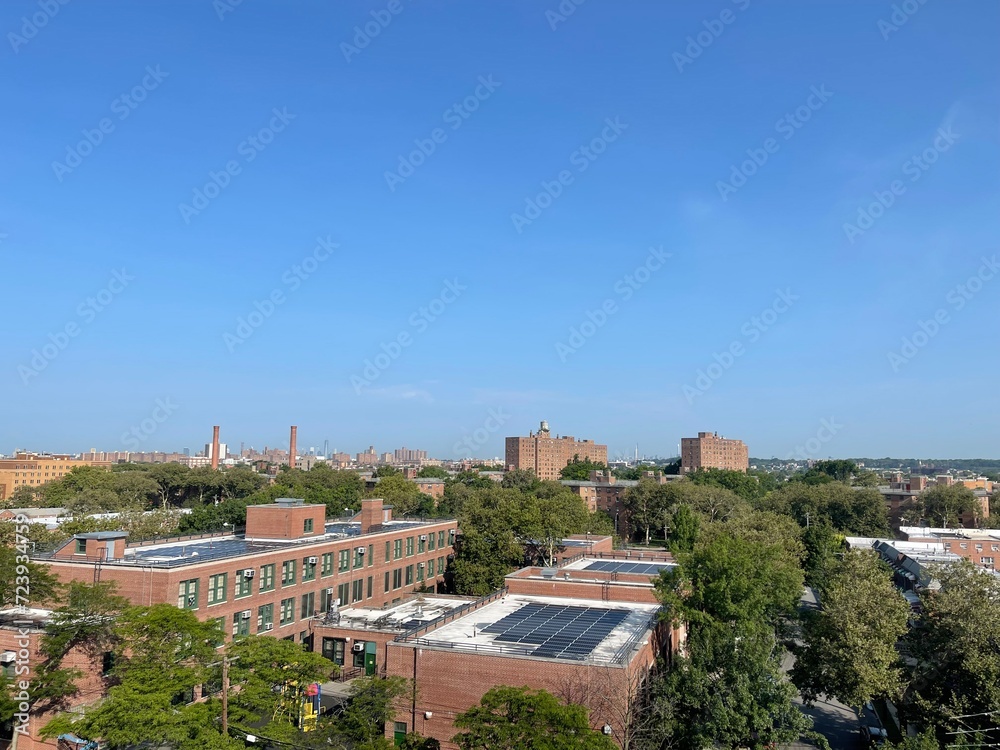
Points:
(558, 631)
(622, 566)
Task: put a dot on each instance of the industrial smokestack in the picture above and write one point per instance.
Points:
(215, 447)
(291, 447)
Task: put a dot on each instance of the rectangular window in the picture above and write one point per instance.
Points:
(327, 564)
(386, 588)
(987, 561)
(325, 599)
(267, 577)
(441, 539)
(359, 558)
(307, 526)
(343, 593)
(409, 546)
(344, 560)
(387, 553)
(420, 571)
(358, 592)
(440, 565)
(409, 574)
(288, 573)
(309, 568)
(187, 594)
(244, 583)
(422, 544)
(241, 623)
(217, 588)
(81, 547)
(371, 555)
(288, 610)
(308, 605)
(370, 586)
(397, 578)
(430, 542)
(430, 568)
(265, 618)
(397, 549)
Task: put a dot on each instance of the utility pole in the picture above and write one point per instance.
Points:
(225, 697)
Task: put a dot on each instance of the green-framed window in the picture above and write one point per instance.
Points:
(359, 590)
(308, 605)
(409, 575)
(187, 594)
(388, 553)
(371, 555)
(397, 578)
(287, 610)
(397, 549)
(309, 568)
(307, 526)
(265, 617)
(420, 571)
(422, 544)
(409, 546)
(243, 585)
(267, 577)
(344, 560)
(288, 573)
(241, 623)
(430, 541)
(327, 569)
(441, 539)
(359, 558)
(217, 588)
(386, 586)
(343, 593)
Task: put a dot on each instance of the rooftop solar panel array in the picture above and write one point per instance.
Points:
(558, 631)
(619, 566)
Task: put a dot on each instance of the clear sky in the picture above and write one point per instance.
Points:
(741, 208)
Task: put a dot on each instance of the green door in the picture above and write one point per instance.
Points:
(370, 658)
(399, 733)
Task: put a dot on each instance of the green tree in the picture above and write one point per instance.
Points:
(684, 530)
(942, 505)
(373, 703)
(509, 718)
(822, 544)
(493, 523)
(520, 479)
(433, 472)
(580, 469)
(387, 470)
(402, 494)
(849, 650)
(44, 586)
(861, 512)
(746, 485)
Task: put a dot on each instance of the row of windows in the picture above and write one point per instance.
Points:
(979, 547)
(347, 593)
(218, 584)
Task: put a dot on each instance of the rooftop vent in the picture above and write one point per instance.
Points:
(289, 501)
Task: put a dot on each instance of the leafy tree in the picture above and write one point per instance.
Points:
(841, 469)
(45, 587)
(433, 472)
(509, 718)
(746, 485)
(172, 480)
(580, 469)
(822, 544)
(474, 479)
(848, 510)
(646, 503)
(727, 692)
(557, 517)
(956, 648)
(373, 703)
(402, 494)
(684, 530)
(520, 479)
(387, 470)
(942, 505)
(850, 644)
(494, 523)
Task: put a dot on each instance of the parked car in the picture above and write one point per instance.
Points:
(874, 735)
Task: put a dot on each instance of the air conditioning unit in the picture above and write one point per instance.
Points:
(358, 648)
(8, 657)
(249, 573)
(420, 565)
(269, 626)
(423, 537)
(329, 591)
(245, 614)
(312, 560)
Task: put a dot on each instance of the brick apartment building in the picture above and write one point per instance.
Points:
(290, 565)
(546, 455)
(33, 469)
(604, 492)
(709, 451)
(901, 495)
(588, 632)
(981, 547)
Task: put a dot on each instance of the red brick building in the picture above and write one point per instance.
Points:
(547, 456)
(709, 451)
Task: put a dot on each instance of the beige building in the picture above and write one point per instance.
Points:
(709, 451)
(33, 470)
(547, 455)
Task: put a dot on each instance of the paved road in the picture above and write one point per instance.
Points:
(835, 721)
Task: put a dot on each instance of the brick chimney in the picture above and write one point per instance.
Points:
(215, 447)
(372, 514)
(292, 450)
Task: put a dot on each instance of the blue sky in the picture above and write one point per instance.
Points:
(759, 316)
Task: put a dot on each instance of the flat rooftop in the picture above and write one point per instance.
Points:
(406, 616)
(539, 627)
(633, 566)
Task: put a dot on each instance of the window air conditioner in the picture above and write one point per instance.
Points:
(311, 560)
(249, 573)
(360, 550)
(245, 614)
(8, 657)
(329, 591)
(269, 626)
(423, 537)
(358, 647)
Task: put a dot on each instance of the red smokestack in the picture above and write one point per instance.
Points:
(291, 447)
(215, 447)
